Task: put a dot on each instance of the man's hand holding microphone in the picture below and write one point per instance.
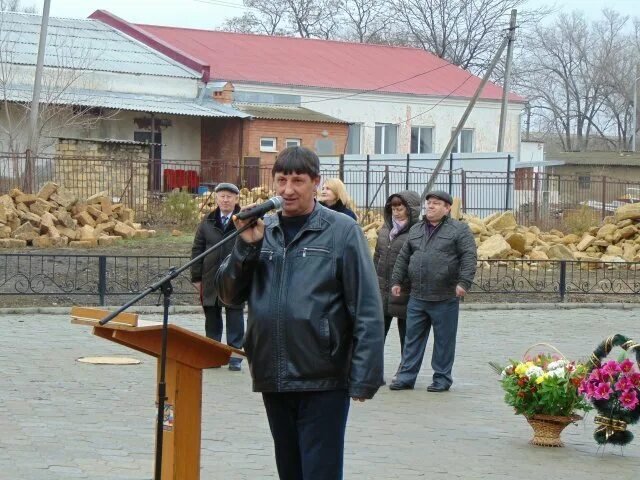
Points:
(253, 214)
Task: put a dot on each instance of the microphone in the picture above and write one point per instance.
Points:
(259, 210)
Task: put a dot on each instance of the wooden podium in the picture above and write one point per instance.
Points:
(187, 354)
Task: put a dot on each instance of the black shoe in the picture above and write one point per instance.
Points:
(437, 388)
(400, 386)
(235, 367)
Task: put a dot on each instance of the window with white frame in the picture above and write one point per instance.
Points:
(421, 140)
(268, 144)
(386, 140)
(292, 142)
(354, 138)
(464, 142)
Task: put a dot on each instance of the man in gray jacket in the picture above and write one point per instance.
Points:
(439, 259)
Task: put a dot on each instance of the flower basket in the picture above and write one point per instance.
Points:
(544, 389)
(614, 390)
(547, 428)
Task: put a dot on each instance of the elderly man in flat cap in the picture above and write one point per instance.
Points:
(439, 259)
(215, 227)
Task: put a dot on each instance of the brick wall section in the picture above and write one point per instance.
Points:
(307, 132)
(87, 167)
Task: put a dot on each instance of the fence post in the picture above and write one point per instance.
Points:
(450, 173)
(563, 279)
(406, 186)
(102, 278)
(463, 193)
(28, 171)
(341, 168)
(366, 195)
(386, 181)
(604, 196)
(536, 187)
(508, 194)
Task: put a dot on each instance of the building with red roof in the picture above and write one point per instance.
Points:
(396, 100)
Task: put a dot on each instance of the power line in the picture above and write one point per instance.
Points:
(223, 3)
(362, 92)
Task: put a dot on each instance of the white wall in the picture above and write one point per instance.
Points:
(407, 111)
(180, 141)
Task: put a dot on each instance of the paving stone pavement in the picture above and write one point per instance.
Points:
(60, 419)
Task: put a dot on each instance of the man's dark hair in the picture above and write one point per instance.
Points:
(298, 160)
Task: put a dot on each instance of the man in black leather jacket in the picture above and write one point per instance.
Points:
(315, 328)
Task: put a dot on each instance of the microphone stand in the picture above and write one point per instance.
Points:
(166, 289)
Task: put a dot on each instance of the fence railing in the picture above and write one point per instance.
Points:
(537, 198)
(111, 279)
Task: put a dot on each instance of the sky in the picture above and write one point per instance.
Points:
(211, 14)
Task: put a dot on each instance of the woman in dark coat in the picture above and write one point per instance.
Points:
(334, 195)
(401, 211)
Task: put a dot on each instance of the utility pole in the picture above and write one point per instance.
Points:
(37, 84)
(528, 121)
(635, 108)
(507, 80)
(465, 115)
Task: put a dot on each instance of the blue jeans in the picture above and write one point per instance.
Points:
(308, 433)
(421, 316)
(235, 326)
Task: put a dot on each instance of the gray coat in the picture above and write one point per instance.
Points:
(387, 251)
(435, 265)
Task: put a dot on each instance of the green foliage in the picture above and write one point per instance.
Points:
(550, 389)
(579, 221)
(181, 209)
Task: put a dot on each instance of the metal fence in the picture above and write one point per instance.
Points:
(542, 199)
(111, 279)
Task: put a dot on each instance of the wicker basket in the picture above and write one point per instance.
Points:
(547, 429)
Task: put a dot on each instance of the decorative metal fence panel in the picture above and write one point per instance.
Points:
(106, 279)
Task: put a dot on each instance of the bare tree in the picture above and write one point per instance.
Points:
(366, 21)
(464, 32)
(265, 17)
(16, 6)
(302, 18)
(575, 79)
(63, 105)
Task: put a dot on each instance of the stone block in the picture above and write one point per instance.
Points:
(42, 242)
(586, 242)
(124, 230)
(5, 231)
(84, 219)
(560, 252)
(629, 211)
(98, 198)
(47, 190)
(107, 241)
(40, 206)
(26, 198)
(86, 232)
(26, 232)
(84, 243)
(12, 243)
(494, 247)
(64, 197)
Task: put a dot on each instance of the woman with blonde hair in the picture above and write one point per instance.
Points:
(335, 197)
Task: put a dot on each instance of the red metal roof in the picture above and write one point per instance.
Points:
(306, 62)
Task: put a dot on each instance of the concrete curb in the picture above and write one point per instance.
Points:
(197, 310)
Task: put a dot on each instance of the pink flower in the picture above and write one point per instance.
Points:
(635, 379)
(586, 388)
(611, 368)
(629, 400)
(595, 376)
(623, 384)
(626, 366)
(603, 391)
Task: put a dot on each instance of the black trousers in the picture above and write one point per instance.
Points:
(235, 326)
(402, 329)
(308, 433)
